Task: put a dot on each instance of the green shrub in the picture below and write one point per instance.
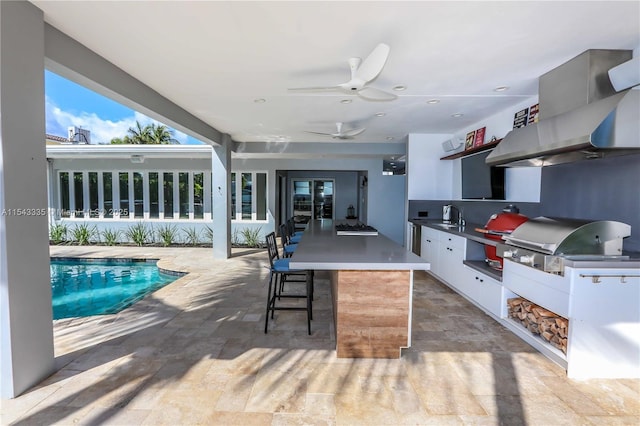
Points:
(191, 236)
(83, 234)
(167, 234)
(251, 237)
(110, 236)
(235, 237)
(208, 234)
(58, 233)
(139, 234)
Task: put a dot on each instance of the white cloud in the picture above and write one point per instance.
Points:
(102, 131)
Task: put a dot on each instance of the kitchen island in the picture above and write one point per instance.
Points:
(371, 287)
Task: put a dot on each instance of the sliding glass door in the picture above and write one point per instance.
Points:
(312, 199)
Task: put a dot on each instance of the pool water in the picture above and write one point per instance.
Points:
(82, 288)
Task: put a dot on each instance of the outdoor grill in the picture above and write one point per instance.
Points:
(544, 243)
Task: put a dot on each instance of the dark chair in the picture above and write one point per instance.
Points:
(288, 248)
(294, 236)
(281, 273)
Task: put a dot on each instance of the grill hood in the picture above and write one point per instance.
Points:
(581, 116)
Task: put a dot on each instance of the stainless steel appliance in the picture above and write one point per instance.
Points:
(544, 243)
(581, 116)
(451, 214)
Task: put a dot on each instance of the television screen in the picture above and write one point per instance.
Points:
(480, 181)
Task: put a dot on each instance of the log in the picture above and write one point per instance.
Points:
(538, 320)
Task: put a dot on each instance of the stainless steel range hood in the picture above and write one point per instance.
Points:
(581, 116)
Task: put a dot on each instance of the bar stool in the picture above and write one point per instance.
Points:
(294, 236)
(287, 246)
(281, 273)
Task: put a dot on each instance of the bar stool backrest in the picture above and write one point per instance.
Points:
(291, 227)
(284, 234)
(272, 248)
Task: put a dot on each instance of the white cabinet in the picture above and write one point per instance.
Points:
(604, 323)
(451, 251)
(544, 289)
(429, 247)
(484, 291)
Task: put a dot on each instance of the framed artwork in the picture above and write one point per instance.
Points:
(471, 136)
(533, 113)
(479, 139)
(520, 118)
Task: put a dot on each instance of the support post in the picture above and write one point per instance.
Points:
(221, 172)
(26, 326)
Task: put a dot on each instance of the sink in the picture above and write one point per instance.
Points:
(446, 225)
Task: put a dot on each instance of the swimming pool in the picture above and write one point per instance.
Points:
(84, 287)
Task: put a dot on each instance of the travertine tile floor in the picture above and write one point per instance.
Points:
(195, 352)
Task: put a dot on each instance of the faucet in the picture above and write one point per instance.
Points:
(461, 221)
(456, 216)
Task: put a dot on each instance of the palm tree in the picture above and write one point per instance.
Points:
(160, 134)
(151, 134)
(139, 135)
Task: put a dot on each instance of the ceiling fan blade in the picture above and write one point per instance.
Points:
(353, 132)
(319, 133)
(371, 67)
(315, 88)
(373, 94)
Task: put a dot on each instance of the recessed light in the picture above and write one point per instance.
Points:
(433, 101)
(390, 138)
(501, 89)
(399, 88)
(345, 101)
(260, 100)
(392, 163)
(457, 115)
(380, 114)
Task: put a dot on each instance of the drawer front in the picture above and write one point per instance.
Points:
(453, 241)
(431, 233)
(547, 290)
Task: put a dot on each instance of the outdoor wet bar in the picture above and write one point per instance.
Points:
(371, 286)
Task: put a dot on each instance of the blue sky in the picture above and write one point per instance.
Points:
(69, 104)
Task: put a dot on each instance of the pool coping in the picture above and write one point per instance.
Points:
(121, 260)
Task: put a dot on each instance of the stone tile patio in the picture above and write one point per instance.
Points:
(195, 352)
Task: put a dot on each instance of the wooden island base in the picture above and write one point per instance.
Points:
(372, 311)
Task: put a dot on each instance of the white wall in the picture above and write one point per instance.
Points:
(430, 178)
(383, 191)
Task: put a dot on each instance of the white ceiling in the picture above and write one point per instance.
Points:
(215, 58)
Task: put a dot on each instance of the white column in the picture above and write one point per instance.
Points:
(221, 169)
(26, 329)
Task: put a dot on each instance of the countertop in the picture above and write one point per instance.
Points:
(468, 232)
(321, 249)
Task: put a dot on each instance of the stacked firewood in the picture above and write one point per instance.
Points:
(552, 327)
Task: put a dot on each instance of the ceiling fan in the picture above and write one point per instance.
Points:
(341, 134)
(362, 73)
